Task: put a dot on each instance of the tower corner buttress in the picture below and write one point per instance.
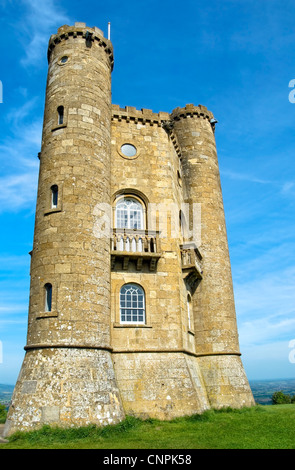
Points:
(216, 339)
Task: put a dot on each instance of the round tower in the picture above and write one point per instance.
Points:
(216, 335)
(67, 377)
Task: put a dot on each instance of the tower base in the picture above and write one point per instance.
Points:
(226, 381)
(70, 387)
(160, 385)
(66, 387)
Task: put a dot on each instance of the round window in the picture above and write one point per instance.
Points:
(128, 150)
(64, 59)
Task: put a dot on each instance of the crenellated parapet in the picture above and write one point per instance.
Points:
(191, 110)
(130, 113)
(165, 120)
(79, 30)
(143, 116)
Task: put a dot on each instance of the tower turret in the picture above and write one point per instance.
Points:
(216, 336)
(67, 377)
(137, 319)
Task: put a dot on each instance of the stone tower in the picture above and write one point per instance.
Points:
(129, 312)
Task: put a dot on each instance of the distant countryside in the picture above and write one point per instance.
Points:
(263, 390)
(6, 394)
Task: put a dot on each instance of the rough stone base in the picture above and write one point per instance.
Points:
(160, 385)
(64, 387)
(226, 382)
(77, 387)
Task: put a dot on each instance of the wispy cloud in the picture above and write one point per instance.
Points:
(17, 191)
(17, 114)
(14, 294)
(13, 308)
(288, 189)
(266, 361)
(19, 162)
(22, 142)
(265, 305)
(40, 20)
(265, 330)
(244, 177)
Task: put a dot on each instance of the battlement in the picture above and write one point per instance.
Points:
(161, 119)
(191, 110)
(90, 34)
(130, 113)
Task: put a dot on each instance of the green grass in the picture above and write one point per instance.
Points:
(260, 427)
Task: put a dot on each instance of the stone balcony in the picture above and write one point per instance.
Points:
(139, 246)
(191, 262)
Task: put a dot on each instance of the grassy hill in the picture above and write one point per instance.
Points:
(260, 427)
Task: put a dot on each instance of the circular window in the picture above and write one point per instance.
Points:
(128, 150)
(63, 60)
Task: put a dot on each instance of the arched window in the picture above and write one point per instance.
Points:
(60, 112)
(132, 304)
(129, 214)
(48, 297)
(54, 196)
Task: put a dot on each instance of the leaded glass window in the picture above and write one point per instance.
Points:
(129, 214)
(132, 304)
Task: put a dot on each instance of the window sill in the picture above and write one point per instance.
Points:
(60, 126)
(52, 314)
(131, 325)
(52, 211)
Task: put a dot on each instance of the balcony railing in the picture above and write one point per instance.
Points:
(135, 245)
(191, 262)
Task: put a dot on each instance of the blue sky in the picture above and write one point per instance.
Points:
(236, 57)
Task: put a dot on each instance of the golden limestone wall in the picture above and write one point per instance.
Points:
(67, 376)
(213, 303)
(168, 170)
(83, 363)
(155, 374)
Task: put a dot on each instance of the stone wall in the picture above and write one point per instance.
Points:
(71, 339)
(83, 364)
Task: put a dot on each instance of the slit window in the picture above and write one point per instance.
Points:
(189, 311)
(60, 112)
(48, 297)
(54, 196)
